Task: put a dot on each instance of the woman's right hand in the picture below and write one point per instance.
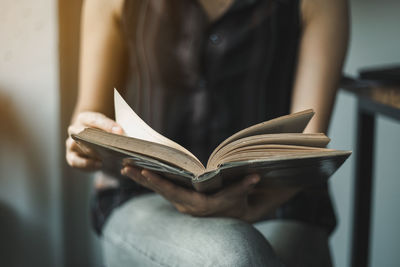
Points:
(79, 156)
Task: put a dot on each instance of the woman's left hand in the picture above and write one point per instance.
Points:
(232, 201)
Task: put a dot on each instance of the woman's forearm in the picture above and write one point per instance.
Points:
(321, 55)
(102, 61)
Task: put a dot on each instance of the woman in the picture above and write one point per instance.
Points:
(198, 71)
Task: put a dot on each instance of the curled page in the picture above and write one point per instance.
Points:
(135, 127)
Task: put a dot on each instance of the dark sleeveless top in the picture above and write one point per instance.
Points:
(198, 82)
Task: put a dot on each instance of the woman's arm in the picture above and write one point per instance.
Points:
(321, 54)
(102, 62)
(102, 65)
(322, 51)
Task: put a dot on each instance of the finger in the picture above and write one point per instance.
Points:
(75, 129)
(76, 161)
(242, 187)
(251, 180)
(71, 145)
(231, 200)
(82, 150)
(134, 174)
(100, 121)
(181, 208)
(188, 209)
(189, 201)
(169, 190)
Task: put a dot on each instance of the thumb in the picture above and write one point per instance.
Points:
(250, 181)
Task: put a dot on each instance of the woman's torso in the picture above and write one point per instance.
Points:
(197, 82)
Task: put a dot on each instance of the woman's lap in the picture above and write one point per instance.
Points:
(148, 231)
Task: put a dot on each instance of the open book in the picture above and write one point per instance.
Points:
(276, 149)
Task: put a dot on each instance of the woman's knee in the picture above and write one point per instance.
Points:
(150, 231)
(235, 243)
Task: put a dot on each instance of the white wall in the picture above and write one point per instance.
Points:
(29, 119)
(375, 40)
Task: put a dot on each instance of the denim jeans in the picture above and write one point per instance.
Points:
(148, 231)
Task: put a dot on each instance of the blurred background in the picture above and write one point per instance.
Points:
(44, 219)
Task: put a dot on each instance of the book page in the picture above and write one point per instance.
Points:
(292, 123)
(135, 127)
(262, 151)
(298, 139)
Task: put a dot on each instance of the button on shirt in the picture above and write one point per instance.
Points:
(215, 39)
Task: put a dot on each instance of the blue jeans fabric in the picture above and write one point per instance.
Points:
(148, 231)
